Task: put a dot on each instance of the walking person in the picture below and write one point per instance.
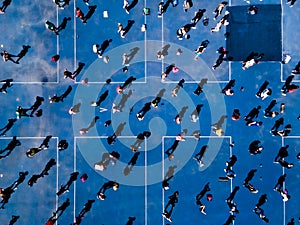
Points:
(6, 84)
(108, 185)
(173, 199)
(219, 9)
(5, 4)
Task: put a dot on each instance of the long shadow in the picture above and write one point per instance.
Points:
(132, 5)
(132, 53)
(128, 26)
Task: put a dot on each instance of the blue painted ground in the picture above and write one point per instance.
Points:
(140, 193)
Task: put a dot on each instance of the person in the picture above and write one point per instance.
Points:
(178, 86)
(200, 86)
(198, 15)
(249, 177)
(222, 54)
(200, 195)
(268, 111)
(222, 22)
(121, 31)
(288, 86)
(6, 84)
(198, 157)
(5, 4)
(252, 114)
(282, 153)
(102, 98)
(173, 199)
(141, 114)
(50, 26)
(236, 114)
(108, 185)
(79, 14)
(255, 147)
(170, 151)
(219, 9)
(107, 158)
(103, 47)
(276, 126)
(291, 2)
(130, 6)
(201, 48)
(187, 4)
(167, 71)
(75, 109)
(227, 90)
(139, 140)
(195, 114)
(229, 164)
(6, 193)
(286, 130)
(10, 147)
(8, 57)
(261, 213)
(183, 31)
(252, 10)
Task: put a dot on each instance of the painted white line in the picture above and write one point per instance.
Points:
(57, 163)
(163, 174)
(57, 46)
(283, 171)
(146, 184)
(74, 193)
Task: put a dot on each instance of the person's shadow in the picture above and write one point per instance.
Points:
(182, 111)
(124, 100)
(170, 172)
(89, 14)
(132, 5)
(165, 49)
(131, 163)
(132, 53)
(220, 122)
(128, 26)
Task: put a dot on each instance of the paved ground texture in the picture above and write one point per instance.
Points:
(273, 31)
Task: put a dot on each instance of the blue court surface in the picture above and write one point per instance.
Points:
(140, 174)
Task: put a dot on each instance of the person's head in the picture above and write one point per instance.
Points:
(209, 197)
(116, 186)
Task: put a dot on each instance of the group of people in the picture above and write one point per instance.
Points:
(111, 158)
